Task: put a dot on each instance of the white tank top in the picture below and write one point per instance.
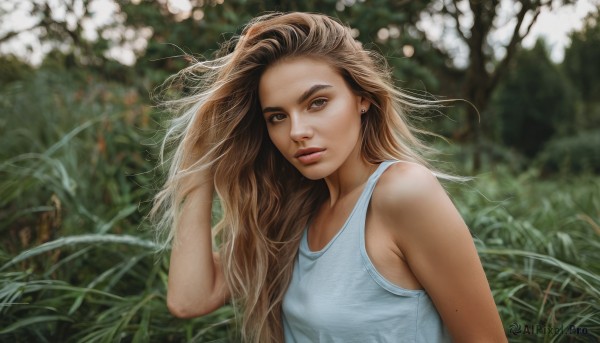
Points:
(337, 295)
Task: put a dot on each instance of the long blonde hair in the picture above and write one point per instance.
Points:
(220, 128)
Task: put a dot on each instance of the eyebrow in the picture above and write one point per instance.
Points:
(312, 90)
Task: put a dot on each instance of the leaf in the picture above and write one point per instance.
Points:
(34, 320)
(82, 239)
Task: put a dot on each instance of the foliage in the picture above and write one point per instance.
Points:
(74, 265)
(533, 103)
(176, 34)
(538, 241)
(59, 25)
(419, 60)
(12, 69)
(471, 27)
(576, 153)
(583, 70)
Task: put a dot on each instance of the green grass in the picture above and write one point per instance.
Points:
(78, 261)
(539, 243)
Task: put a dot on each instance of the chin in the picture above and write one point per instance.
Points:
(313, 177)
(313, 172)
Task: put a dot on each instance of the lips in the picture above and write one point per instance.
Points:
(307, 151)
(309, 155)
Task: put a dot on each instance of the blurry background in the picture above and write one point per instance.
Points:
(79, 135)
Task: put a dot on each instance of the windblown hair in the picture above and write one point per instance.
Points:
(220, 129)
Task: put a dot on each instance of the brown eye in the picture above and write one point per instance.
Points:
(276, 118)
(318, 103)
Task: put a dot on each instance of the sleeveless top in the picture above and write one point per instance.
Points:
(337, 295)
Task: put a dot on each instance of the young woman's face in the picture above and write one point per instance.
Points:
(312, 115)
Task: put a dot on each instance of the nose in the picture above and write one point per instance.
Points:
(300, 130)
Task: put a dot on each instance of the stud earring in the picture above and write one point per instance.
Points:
(363, 110)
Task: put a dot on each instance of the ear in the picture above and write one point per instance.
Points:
(363, 104)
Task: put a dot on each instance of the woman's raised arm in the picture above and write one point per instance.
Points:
(196, 284)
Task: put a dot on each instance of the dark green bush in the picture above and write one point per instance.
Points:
(533, 103)
(572, 153)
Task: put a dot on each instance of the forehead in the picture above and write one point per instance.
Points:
(288, 78)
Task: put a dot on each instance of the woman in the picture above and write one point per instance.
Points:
(333, 228)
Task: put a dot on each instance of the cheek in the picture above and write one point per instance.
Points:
(346, 122)
(275, 135)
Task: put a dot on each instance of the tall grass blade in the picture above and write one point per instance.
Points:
(64, 242)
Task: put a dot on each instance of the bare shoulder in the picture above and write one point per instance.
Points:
(405, 187)
(412, 205)
(431, 236)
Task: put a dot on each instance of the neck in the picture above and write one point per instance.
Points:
(350, 176)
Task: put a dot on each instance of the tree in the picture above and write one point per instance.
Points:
(474, 22)
(206, 24)
(583, 70)
(62, 31)
(533, 103)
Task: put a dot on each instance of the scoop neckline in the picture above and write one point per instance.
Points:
(314, 254)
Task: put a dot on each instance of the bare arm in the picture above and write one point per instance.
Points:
(439, 249)
(196, 284)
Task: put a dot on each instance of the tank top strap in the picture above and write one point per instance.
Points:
(370, 186)
(337, 295)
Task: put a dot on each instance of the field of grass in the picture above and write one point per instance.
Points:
(78, 261)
